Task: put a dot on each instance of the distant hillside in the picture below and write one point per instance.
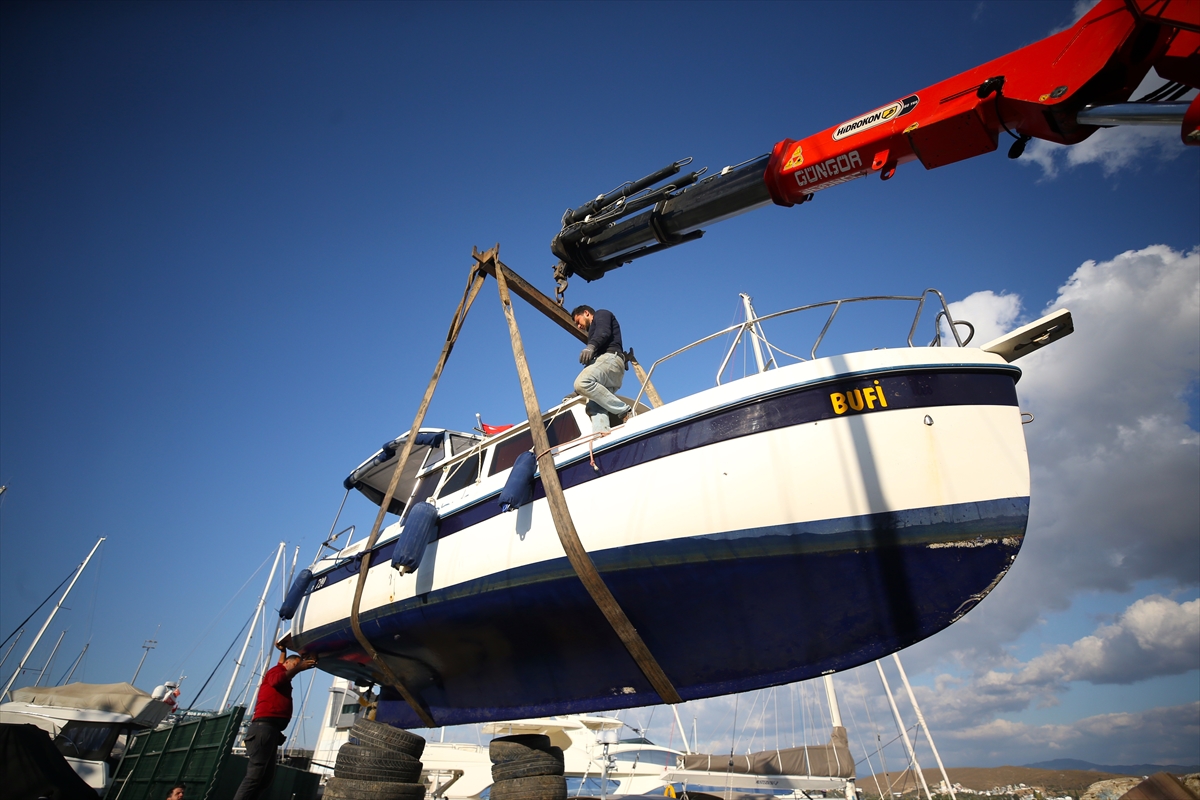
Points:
(1117, 769)
(1054, 781)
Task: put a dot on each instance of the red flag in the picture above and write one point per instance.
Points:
(492, 430)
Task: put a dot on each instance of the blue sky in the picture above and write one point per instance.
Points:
(232, 236)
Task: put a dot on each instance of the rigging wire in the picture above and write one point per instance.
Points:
(220, 615)
(218, 666)
(39, 608)
(95, 593)
(866, 753)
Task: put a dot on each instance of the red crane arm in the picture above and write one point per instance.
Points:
(1061, 89)
(1035, 92)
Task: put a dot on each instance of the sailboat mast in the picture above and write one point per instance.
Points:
(50, 619)
(78, 661)
(682, 734)
(268, 652)
(50, 660)
(8, 652)
(237, 665)
(921, 721)
(753, 332)
(835, 713)
(912, 754)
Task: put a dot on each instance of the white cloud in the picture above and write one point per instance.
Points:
(1155, 636)
(1114, 463)
(1080, 8)
(1169, 733)
(991, 314)
(1112, 148)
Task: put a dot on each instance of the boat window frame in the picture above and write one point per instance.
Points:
(550, 420)
(99, 749)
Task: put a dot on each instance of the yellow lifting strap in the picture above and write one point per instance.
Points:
(474, 283)
(576, 554)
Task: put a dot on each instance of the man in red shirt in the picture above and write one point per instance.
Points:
(272, 713)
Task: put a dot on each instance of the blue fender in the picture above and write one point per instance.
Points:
(295, 594)
(518, 489)
(420, 527)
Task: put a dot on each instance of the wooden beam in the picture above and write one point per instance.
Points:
(526, 291)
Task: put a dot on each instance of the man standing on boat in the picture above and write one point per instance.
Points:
(272, 713)
(603, 366)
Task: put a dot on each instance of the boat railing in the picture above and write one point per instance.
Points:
(752, 326)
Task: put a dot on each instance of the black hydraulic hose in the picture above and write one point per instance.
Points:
(39, 608)
(674, 220)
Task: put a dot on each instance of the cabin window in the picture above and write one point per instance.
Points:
(660, 758)
(462, 475)
(91, 741)
(562, 428)
(425, 487)
(461, 444)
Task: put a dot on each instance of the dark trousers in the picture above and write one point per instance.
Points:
(263, 737)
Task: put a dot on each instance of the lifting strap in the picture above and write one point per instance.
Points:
(576, 554)
(474, 283)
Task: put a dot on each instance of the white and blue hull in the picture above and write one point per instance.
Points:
(758, 533)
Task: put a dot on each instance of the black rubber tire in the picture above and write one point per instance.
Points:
(537, 763)
(511, 748)
(345, 789)
(385, 737)
(544, 787)
(359, 762)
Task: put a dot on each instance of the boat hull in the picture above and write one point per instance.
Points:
(769, 537)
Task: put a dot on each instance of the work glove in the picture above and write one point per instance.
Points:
(586, 356)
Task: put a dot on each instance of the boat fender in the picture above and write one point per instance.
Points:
(295, 594)
(518, 489)
(420, 527)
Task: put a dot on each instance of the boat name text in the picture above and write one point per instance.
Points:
(858, 399)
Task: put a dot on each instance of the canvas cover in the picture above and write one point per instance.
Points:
(831, 760)
(33, 768)
(116, 698)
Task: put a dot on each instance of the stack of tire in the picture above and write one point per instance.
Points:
(378, 763)
(526, 767)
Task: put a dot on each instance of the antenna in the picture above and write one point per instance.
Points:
(148, 645)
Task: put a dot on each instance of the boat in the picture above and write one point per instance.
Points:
(797, 521)
(90, 723)
(596, 760)
(797, 771)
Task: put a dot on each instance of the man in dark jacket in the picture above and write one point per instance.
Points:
(603, 366)
(272, 713)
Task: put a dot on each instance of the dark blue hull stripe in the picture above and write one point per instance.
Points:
(994, 386)
(722, 613)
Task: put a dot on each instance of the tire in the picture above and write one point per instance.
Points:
(544, 787)
(511, 748)
(359, 762)
(346, 789)
(385, 737)
(536, 764)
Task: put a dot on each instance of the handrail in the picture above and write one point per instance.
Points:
(748, 324)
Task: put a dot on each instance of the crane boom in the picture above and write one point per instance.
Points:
(1060, 89)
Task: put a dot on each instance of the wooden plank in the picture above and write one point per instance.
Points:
(527, 292)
